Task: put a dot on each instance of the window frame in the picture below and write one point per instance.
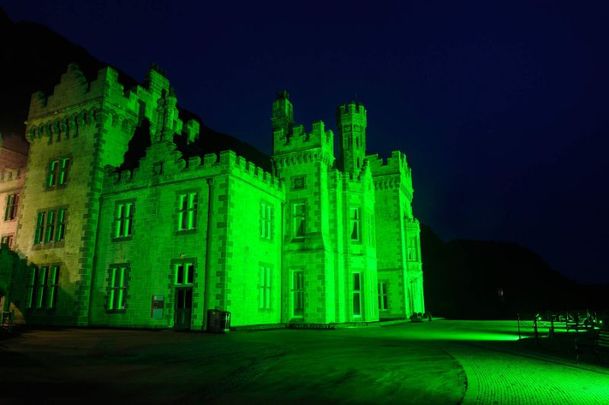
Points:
(188, 277)
(43, 287)
(298, 182)
(357, 294)
(186, 212)
(117, 287)
(119, 220)
(383, 292)
(355, 224)
(7, 239)
(58, 171)
(10, 209)
(411, 249)
(297, 291)
(50, 233)
(267, 216)
(265, 284)
(294, 217)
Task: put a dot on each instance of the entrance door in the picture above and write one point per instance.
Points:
(183, 308)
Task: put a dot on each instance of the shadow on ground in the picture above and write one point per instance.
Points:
(438, 362)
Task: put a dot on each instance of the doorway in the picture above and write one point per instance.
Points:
(183, 308)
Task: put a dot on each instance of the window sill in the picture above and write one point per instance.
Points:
(116, 311)
(186, 231)
(122, 238)
(41, 311)
(57, 187)
(48, 245)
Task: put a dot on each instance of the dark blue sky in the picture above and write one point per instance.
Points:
(501, 107)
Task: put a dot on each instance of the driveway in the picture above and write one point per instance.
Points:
(431, 362)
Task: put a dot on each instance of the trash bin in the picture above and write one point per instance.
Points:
(218, 321)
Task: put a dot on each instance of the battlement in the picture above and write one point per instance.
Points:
(351, 107)
(226, 162)
(394, 164)
(77, 103)
(298, 139)
(73, 89)
(391, 173)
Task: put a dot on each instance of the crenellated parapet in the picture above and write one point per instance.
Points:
(77, 104)
(175, 167)
(353, 112)
(297, 139)
(292, 139)
(392, 172)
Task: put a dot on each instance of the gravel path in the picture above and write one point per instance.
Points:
(443, 362)
(500, 377)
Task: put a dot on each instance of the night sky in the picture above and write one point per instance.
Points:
(501, 107)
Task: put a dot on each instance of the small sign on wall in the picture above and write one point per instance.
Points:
(158, 302)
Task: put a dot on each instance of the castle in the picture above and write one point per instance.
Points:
(157, 242)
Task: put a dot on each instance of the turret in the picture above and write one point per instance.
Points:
(351, 121)
(167, 114)
(283, 118)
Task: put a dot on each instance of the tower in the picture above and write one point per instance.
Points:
(282, 118)
(351, 121)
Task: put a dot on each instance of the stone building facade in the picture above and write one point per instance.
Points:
(13, 156)
(157, 242)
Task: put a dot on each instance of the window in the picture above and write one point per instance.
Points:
(412, 249)
(117, 287)
(356, 224)
(298, 293)
(50, 226)
(266, 220)
(298, 219)
(42, 290)
(58, 172)
(383, 296)
(264, 287)
(123, 219)
(357, 294)
(10, 210)
(187, 211)
(7, 240)
(298, 182)
(184, 274)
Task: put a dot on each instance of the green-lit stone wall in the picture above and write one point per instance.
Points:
(65, 124)
(159, 244)
(332, 258)
(398, 240)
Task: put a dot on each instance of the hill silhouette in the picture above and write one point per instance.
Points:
(463, 278)
(33, 58)
(488, 279)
